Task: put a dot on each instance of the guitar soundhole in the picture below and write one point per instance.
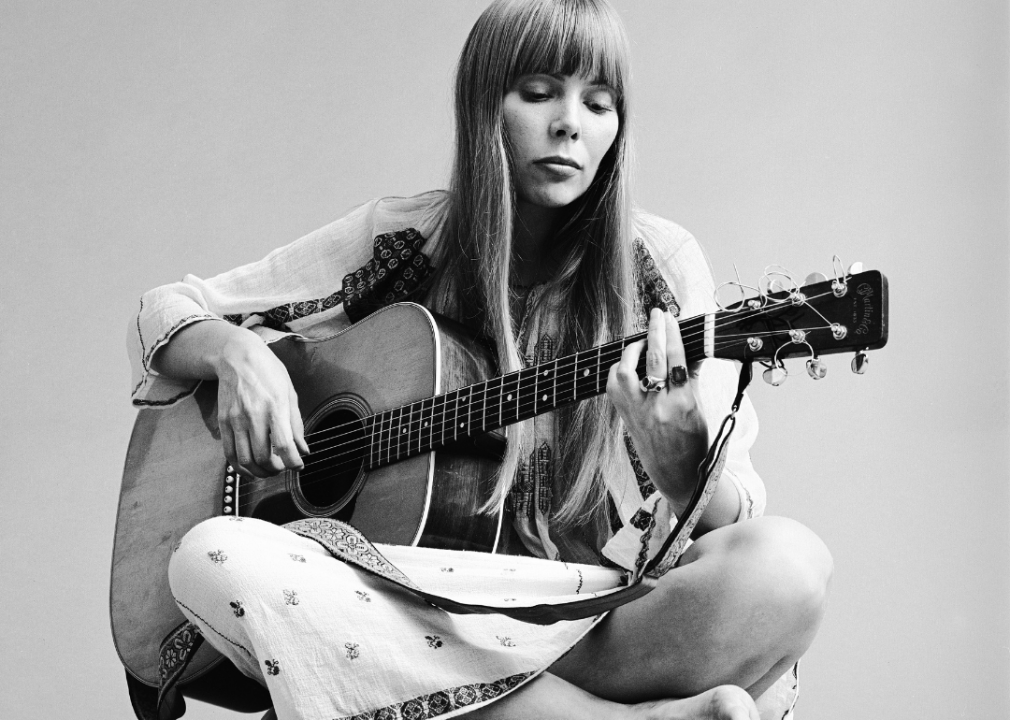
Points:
(334, 467)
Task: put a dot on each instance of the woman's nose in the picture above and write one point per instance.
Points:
(566, 124)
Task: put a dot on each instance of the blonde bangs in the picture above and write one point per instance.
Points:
(573, 37)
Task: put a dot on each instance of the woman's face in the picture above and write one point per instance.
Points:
(559, 127)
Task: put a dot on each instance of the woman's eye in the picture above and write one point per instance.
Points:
(599, 108)
(535, 95)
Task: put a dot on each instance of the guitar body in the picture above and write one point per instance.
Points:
(176, 475)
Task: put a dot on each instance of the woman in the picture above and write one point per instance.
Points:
(536, 247)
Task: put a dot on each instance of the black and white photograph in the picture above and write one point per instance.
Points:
(505, 359)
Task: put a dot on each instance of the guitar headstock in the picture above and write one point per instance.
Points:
(821, 317)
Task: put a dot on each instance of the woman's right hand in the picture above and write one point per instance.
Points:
(261, 426)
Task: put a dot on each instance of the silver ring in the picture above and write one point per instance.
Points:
(652, 384)
(677, 375)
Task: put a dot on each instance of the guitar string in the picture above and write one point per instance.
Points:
(337, 431)
(406, 437)
(323, 470)
(357, 458)
(414, 430)
(354, 458)
(733, 318)
(478, 392)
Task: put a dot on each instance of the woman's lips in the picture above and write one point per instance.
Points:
(559, 167)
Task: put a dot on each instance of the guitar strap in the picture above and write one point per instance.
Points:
(349, 545)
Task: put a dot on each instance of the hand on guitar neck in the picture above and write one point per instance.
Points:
(261, 426)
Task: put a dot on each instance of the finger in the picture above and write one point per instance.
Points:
(675, 353)
(283, 442)
(262, 449)
(228, 442)
(297, 426)
(656, 353)
(622, 379)
(244, 454)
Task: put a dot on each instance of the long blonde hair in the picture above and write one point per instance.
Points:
(513, 38)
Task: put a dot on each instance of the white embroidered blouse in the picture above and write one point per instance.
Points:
(378, 253)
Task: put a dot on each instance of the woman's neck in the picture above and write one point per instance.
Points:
(532, 235)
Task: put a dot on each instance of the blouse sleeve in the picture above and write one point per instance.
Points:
(317, 285)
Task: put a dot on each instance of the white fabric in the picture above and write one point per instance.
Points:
(330, 641)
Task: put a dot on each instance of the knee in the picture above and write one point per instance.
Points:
(207, 546)
(790, 561)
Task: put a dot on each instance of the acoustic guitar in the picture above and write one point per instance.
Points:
(404, 423)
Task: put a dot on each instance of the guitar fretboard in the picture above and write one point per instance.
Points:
(441, 420)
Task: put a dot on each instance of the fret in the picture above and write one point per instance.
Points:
(420, 428)
(501, 400)
(483, 410)
(441, 421)
(536, 388)
(554, 391)
(575, 376)
(389, 436)
(599, 349)
(403, 431)
(455, 416)
(371, 441)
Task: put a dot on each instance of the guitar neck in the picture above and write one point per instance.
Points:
(442, 420)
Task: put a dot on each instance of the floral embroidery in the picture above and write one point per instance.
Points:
(396, 269)
(235, 518)
(290, 597)
(236, 607)
(434, 641)
(505, 641)
(645, 484)
(177, 546)
(273, 667)
(352, 650)
(438, 703)
(297, 558)
(533, 484)
(653, 290)
(447, 569)
(348, 544)
(217, 556)
(362, 596)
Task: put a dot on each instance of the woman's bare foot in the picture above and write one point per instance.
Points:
(726, 702)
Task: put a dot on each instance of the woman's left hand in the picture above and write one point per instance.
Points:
(667, 426)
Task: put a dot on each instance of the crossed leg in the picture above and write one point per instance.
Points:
(741, 607)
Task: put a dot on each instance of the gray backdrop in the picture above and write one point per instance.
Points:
(140, 141)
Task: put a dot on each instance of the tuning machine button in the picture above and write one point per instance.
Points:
(859, 362)
(855, 268)
(775, 376)
(816, 368)
(814, 278)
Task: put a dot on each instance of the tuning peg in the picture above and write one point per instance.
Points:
(855, 268)
(814, 278)
(816, 368)
(775, 376)
(859, 363)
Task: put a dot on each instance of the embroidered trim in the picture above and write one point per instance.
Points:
(444, 701)
(653, 290)
(397, 267)
(170, 401)
(678, 545)
(175, 651)
(645, 485)
(346, 543)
